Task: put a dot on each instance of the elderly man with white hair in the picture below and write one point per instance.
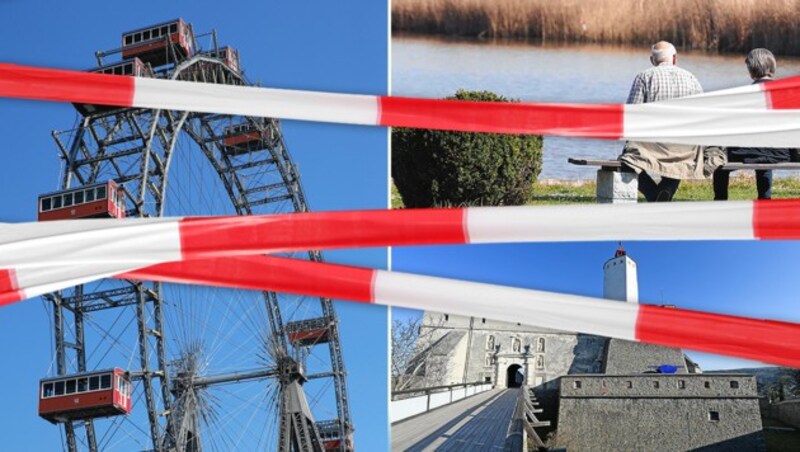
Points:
(664, 81)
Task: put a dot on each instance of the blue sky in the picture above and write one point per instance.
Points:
(334, 46)
(754, 279)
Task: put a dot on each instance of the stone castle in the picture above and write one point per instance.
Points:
(601, 394)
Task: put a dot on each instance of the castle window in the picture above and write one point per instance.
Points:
(629, 384)
(483, 320)
(576, 384)
(656, 385)
(707, 384)
(540, 345)
(540, 362)
(681, 384)
(446, 317)
(490, 342)
(713, 416)
(487, 379)
(734, 384)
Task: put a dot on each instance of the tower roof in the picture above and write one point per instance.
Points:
(620, 251)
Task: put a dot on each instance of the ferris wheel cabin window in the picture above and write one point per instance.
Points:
(59, 388)
(105, 381)
(79, 197)
(45, 205)
(57, 202)
(71, 387)
(101, 192)
(128, 40)
(94, 383)
(67, 199)
(173, 28)
(47, 390)
(89, 195)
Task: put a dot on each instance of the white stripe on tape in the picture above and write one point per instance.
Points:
(135, 240)
(666, 123)
(731, 220)
(256, 101)
(748, 96)
(530, 307)
(42, 280)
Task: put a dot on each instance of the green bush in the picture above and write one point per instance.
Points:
(437, 168)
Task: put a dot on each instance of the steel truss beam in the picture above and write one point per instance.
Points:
(134, 147)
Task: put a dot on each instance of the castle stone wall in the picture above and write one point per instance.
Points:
(787, 411)
(671, 413)
(627, 357)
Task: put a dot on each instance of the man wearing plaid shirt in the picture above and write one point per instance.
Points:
(664, 81)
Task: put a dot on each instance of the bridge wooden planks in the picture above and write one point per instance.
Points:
(477, 423)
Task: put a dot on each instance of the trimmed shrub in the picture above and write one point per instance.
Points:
(438, 168)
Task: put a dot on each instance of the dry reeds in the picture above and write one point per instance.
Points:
(716, 25)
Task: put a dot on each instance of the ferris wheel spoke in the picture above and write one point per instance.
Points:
(256, 405)
(184, 164)
(114, 341)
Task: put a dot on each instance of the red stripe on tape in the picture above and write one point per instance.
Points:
(269, 273)
(595, 121)
(321, 230)
(776, 219)
(783, 94)
(69, 86)
(763, 340)
(9, 292)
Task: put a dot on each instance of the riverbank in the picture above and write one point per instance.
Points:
(556, 191)
(711, 25)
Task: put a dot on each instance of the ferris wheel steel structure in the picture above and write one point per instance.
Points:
(135, 148)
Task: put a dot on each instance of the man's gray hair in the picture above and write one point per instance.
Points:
(663, 51)
(761, 63)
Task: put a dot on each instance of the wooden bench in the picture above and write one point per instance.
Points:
(616, 184)
(615, 165)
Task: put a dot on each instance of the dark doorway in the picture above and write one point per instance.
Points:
(514, 376)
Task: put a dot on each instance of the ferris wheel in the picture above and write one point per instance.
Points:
(150, 366)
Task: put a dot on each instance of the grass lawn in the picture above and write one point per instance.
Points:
(583, 191)
(742, 187)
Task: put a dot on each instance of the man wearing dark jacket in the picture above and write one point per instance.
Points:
(762, 66)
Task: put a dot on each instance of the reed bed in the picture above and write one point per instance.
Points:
(713, 25)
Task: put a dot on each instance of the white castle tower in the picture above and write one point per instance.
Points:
(620, 280)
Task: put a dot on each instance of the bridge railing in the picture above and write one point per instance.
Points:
(521, 435)
(412, 402)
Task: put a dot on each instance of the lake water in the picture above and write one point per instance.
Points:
(437, 67)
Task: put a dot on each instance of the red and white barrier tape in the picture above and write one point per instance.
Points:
(44, 257)
(145, 241)
(769, 341)
(765, 114)
(33, 254)
(764, 340)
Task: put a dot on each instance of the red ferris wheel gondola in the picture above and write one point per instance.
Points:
(85, 395)
(104, 200)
